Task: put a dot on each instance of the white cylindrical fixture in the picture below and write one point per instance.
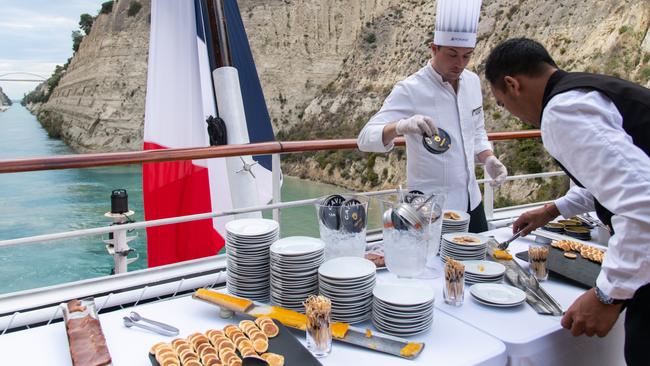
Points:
(241, 171)
(121, 248)
(277, 184)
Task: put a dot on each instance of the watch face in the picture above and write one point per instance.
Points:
(437, 144)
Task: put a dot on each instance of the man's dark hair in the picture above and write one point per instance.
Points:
(517, 56)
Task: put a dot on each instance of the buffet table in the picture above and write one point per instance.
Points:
(450, 341)
(472, 334)
(533, 339)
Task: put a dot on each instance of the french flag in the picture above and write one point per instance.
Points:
(180, 96)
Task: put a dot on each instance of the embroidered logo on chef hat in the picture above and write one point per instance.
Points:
(457, 23)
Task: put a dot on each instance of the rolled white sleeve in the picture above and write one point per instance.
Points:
(576, 201)
(398, 105)
(583, 130)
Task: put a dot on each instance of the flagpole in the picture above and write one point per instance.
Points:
(218, 27)
(241, 171)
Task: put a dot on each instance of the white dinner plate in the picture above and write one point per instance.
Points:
(251, 227)
(497, 294)
(347, 268)
(464, 216)
(484, 268)
(481, 240)
(297, 246)
(404, 292)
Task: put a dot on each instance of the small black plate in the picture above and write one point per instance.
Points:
(285, 344)
(437, 144)
(329, 211)
(409, 197)
(353, 216)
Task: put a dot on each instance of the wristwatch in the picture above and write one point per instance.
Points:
(604, 299)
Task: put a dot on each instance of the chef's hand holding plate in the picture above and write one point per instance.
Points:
(496, 170)
(418, 125)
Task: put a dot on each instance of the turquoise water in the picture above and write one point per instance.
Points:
(45, 202)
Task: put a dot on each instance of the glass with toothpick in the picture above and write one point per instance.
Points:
(454, 287)
(319, 334)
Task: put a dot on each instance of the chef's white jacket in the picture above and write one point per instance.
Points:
(461, 115)
(584, 131)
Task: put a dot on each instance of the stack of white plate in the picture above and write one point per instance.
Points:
(247, 251)
(463, 246)
(455, 226)
(498, 295)
(348, 282)
(402, 307)
(483, 272)
(294, 270)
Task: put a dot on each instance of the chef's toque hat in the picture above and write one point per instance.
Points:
(457, 23)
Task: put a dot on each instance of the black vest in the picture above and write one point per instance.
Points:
(631, 100)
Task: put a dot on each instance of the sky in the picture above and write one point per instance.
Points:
(35, 37)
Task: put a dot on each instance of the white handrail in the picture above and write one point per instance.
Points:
(208, 215)
(171, 220)
(12, 305)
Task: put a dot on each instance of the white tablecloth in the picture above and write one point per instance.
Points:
(534, 339)
(450, 341)
(473, 334)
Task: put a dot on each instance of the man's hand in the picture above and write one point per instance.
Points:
(533, 219)
(496, 170)
(419, 125)
(587, 315)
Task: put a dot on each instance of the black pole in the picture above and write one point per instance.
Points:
(219, 32)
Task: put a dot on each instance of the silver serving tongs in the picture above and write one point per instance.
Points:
(530, 283)
(589, 220)
(505, 244)
(136, 320)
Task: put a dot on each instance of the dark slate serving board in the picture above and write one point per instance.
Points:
(285, 344)
(581, 271)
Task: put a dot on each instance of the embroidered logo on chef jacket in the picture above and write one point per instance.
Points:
(476, 111)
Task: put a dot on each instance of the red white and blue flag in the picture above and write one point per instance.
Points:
(180, 96)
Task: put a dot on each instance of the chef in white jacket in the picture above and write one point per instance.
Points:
(442, 94)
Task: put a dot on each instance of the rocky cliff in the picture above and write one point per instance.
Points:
(4, 100)
(599, 36)
(98, 104)
(327, 65)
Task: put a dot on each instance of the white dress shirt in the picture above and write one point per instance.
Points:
(583, 130)
(460, 114)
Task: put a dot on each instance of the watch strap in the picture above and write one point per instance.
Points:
(607, 300)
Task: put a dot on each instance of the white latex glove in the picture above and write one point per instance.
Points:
(418, 124)
(496, 170)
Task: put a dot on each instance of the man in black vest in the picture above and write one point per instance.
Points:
(598, 129)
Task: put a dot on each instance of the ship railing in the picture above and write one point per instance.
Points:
(40, 306)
